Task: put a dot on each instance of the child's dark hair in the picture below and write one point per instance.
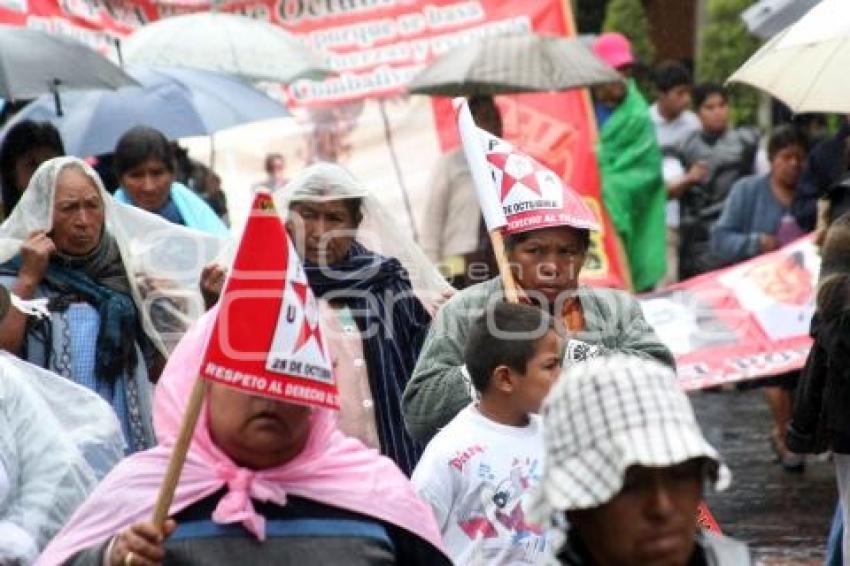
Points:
(667, 75)
(139, 144)
(505, 335)
(702, 91)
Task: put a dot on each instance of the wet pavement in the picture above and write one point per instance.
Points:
(784, 517)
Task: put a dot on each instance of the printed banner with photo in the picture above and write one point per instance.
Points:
(268, 339)
(361, 117)
(740, 323)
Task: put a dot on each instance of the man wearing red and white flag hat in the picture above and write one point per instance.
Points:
(547, 228)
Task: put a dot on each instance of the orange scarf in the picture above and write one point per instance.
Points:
(573, 315)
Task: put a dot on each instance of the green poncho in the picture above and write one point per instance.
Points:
(633, 189)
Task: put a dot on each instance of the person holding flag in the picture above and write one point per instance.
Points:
(266, 475)
(547, 230)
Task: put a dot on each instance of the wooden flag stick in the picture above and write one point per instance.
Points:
(511, 289)
(178, 454)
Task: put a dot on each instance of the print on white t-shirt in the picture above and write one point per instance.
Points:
(476, 475)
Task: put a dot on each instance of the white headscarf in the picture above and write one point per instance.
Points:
(378, 231)
(163, 261)
(57, 441)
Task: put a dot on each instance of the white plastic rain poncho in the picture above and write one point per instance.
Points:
(161, 269)
(57, 440)
(384, 293)
(162, 260)
(378, 231)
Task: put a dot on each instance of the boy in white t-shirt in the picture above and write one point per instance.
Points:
(475, 473)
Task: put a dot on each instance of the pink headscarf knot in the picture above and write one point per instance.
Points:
(236, 504)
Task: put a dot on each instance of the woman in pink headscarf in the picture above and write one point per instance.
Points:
(264, 481)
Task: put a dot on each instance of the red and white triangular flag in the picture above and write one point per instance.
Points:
(476, 157)
(515, 191)
(268, 337)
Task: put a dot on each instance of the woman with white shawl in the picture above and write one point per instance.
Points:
(383, 291)
(57, 440)
(92, 259)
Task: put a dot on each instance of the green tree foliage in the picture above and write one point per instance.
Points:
(726, 44)
(629, 18)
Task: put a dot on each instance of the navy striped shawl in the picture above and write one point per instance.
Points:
(393, 324)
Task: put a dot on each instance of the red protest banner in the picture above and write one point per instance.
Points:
(362, 117)
(740, 323)
(267, 339)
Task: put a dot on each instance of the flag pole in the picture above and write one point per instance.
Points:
(178, 453)
(508, 281)
(491, 208)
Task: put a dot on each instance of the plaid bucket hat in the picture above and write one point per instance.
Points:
(608, 414)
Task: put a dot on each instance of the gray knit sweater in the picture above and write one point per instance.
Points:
(439, 388)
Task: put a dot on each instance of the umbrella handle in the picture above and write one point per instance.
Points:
(57, 101)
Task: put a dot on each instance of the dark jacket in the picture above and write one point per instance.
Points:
(303, 532)
(821, 418)
(825, 165)
(729, 157)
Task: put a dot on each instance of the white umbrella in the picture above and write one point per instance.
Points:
(805, 65)
(766, 18)
(228, 43)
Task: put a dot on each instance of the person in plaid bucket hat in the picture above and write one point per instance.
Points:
(627, 462)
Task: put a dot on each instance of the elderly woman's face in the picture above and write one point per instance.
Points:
(148, 184)
(78, 213)
(548, 261)
(322, 231)
(256, 432)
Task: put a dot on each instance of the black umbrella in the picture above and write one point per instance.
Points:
(34, 62)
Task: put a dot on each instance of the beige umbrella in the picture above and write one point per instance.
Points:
(515, 63)
(804, 66)
(251, 49)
